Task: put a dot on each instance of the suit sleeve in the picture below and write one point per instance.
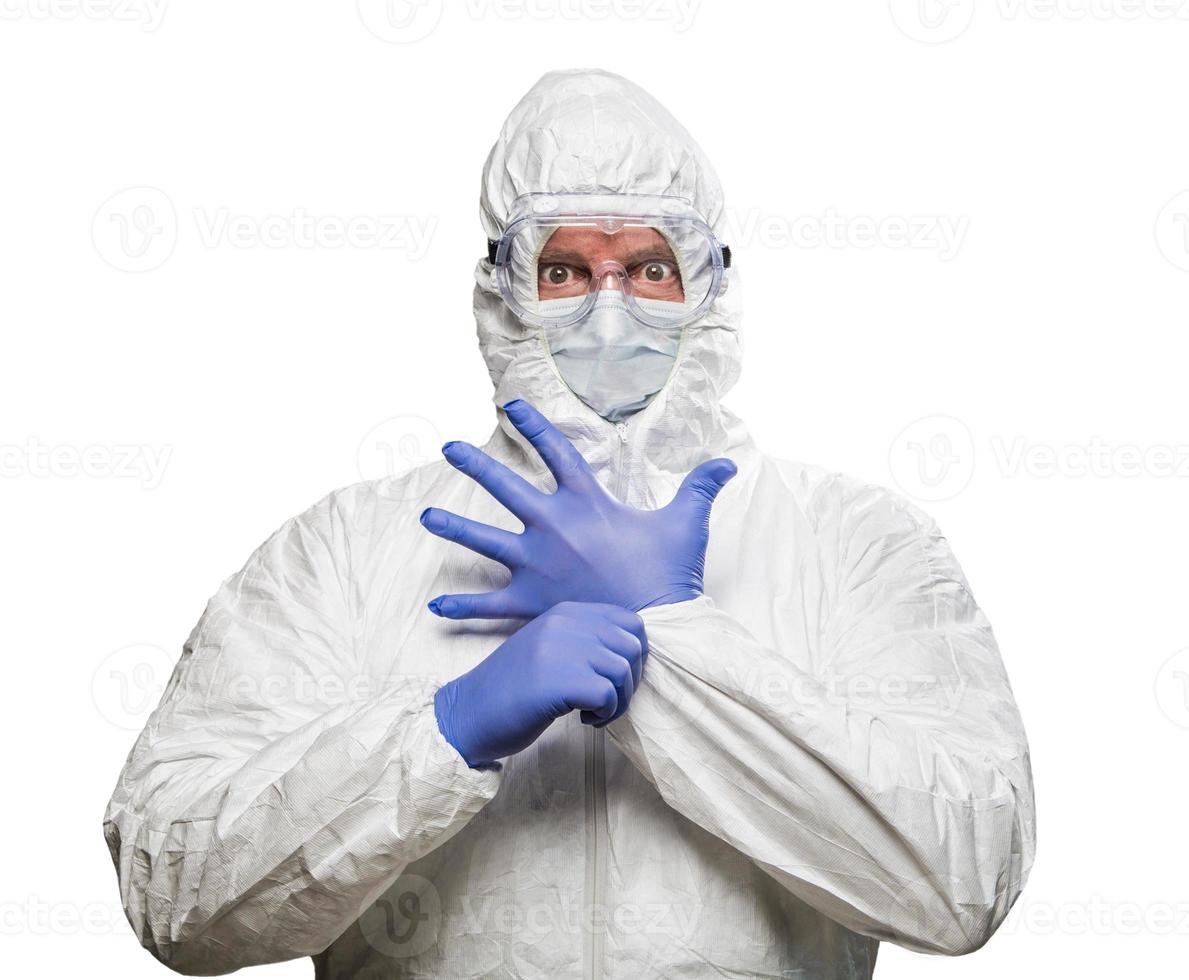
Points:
(889, 787)
(280, 787)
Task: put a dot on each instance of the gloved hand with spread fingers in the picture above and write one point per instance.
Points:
(577, 655)
(579, 543)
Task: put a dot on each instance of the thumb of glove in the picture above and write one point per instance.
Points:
(702, 485)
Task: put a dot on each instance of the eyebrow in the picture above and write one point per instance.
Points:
(564, 257)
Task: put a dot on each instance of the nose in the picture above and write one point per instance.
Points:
(610, 281)
(610, 275)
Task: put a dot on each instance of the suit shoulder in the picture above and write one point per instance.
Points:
(830, 497)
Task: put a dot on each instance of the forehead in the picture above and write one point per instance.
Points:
(593, 243)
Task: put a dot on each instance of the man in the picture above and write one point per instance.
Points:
(684, 710)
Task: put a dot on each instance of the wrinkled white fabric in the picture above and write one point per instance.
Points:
(824, 752)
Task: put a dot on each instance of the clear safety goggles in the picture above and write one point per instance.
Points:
(559, 252)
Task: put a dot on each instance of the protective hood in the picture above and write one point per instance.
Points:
(590, 131)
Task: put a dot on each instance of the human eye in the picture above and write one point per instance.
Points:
(657, 272)
(558, 275)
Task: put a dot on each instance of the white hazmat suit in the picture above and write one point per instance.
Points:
(824, 752)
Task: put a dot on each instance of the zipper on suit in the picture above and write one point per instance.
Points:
(596, 830)
(596, 792)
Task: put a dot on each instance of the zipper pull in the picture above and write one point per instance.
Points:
(622, 428)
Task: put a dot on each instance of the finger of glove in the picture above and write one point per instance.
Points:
(595, 696)
(625, 645)
(509, 488)
(490, 542)
(625, 619)
(502, 604)
(567, 465)
(702, 485)
(618, 670)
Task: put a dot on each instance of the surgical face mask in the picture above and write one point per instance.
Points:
(609, 359)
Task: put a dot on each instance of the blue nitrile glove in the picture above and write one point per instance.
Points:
(580, 655)
(579, 544)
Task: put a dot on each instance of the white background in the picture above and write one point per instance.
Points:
(1042, 347)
